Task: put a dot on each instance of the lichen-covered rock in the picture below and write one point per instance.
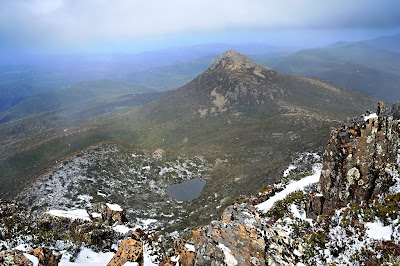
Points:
(14, 257)
(110, 213)
(281, 249)
(130, 250)
(358, 161)
(237, 239)
(45, 256)
(158, 154)
(185, 256)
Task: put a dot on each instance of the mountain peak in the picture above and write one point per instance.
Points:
(233, 60)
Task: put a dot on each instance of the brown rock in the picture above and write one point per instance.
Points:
(185, 257)
(314, 206)
(166, 262)
(45, 256)
(239, 232)
(110, 214)
(14, 257)
(130, 250)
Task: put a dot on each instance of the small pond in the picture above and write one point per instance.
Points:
(187, 190)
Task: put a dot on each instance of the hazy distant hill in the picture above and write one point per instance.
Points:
(391, 43)
(361, 66)
(79, 96)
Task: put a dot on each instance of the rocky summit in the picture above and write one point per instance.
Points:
(359, 161)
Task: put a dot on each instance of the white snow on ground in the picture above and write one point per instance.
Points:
(373, 115)
(128, 263)
(296, 213)
(23, 247)
(33, 259)
(122, 229)
(147, 222)
(147, 258)
(190, 247)
(114, 207)
(229, 259)
(292, 187)
(377, 230)
(73, 214)
(88, 257)
(96, 215)
(287, 171)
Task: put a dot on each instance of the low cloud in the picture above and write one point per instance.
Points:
(87, 20)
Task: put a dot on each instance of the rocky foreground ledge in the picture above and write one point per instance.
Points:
(342, 211)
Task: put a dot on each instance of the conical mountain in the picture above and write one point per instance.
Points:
(246, 114)
(245, 119)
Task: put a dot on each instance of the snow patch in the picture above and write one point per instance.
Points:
(33, 259)
(122, 229)
(292, 187)
(190, 247)
(229, 258)
(114, 207)
(73, 214)
(88, 257)
(377, 230)
(96, 215)
(373, 115)
(148, 258)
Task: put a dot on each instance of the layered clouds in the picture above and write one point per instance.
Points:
(82, 21)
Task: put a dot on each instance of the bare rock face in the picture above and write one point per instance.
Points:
(45, 256)
(110, 213)
(237, 239)
(130, 250)
(358, 161)
(14, 257)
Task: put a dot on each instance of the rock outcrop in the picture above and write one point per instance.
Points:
(186, 257)
(237, 239)
(281, 249)
(130, 250)
(158, 154)
(110, 213)
(358, 161)
(14, 257)
(45, 256)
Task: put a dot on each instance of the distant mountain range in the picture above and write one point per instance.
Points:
(371, 67)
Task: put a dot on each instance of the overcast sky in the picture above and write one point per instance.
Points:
(134, 25)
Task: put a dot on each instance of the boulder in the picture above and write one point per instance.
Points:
(238, 238)
(186, 257)
(130, 250)
(45, 256)
(158, 154)
(14, 257)
(110, 213)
